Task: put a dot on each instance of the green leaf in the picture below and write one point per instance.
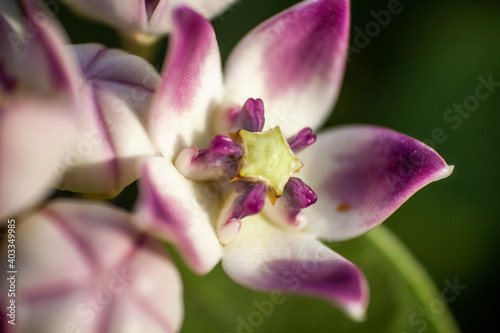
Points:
(403, 298)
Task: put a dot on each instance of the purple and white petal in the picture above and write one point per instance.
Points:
(44, 65)
(160, 11)
(192, 82)
(33, 54)
(361, 175)
(180, 211)
(34, 137)
(34, 62)
(116, 94)
(85, 267)
(144, 16)
(209, 8)
(266, 258)
(127, 15)
(160, 16)
(294, 62)
(38, 107)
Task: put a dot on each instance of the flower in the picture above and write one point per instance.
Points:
(84, 267)
(143, 17)
(115, 93)
(211, 203)
(76, 113)
(38, 104)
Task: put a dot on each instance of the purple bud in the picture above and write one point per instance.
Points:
(250, 117)
(297, 195)
(250, 200)
(245, 199)
(221, 150)
(303, 139)
(287, 212)
(218, 160)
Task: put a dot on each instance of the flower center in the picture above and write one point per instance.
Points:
(247, 166)
(267, 158)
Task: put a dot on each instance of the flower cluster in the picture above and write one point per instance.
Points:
(229, 165)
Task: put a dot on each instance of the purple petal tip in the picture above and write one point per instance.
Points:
(341, 283)
(316, 33)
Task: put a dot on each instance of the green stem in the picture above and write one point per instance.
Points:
(409, 267)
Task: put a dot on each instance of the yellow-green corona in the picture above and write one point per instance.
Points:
(267, 158)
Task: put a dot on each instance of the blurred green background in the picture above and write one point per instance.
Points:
(428, 58)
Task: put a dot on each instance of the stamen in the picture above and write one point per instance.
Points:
(246, 199)
(250, 117)
(218, 160)
(287, 212)
(303, 139)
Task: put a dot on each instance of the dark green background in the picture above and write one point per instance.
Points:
(426, 59)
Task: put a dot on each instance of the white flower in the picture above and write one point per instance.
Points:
(293, 63)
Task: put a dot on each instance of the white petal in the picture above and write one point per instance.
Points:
(116, 96)
(84, 266)
(38, 108)
(128, 15)
(160, 21)
(132, 15)
(34, 136)
(180, 211)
